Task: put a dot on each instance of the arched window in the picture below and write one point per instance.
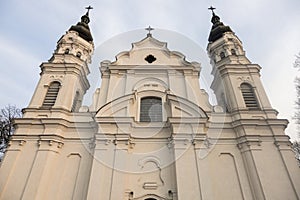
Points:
(67, 51)
(78, 54)
(222, 55)
(51, 95)
(150, 199)
(233, 52)
(249, 96)
(151, 109)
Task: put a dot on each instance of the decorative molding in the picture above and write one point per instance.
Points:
(249, 143)
(50, 143)
(153, 196)
(244, 79)
(282, 143)
(170, 143)
(130, 144)
(21, 142)
(150, 186)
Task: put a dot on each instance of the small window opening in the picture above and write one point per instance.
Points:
(150, 58)
(222, 55)
(51, 95)
(67, 51)
(233, 52)
(78, 54)
(249, 96)
(151, 109)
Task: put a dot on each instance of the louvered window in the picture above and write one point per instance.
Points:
(249, 96)
(151, 109)
(51, 95)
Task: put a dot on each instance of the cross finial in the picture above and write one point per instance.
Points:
(88, 9)
(149, 29)
(212, 9)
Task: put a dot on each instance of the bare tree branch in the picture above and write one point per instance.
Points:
(297, 61)
(296, 149)
(7, 116)
(297, 102)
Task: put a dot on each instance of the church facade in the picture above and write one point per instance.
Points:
(151, 132)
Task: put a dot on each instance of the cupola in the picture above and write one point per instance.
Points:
(83, 28)
(218, 28)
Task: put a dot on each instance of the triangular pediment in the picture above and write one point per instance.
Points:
(150, 42)
(151, 51)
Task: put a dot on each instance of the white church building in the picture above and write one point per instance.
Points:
(151, 132)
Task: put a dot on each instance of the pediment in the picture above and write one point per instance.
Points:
(178, 107)
(149, 42)
(152, 52)
(116, 108)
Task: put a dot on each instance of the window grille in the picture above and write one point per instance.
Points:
(249, 96)
(51, 95)
(151, 109)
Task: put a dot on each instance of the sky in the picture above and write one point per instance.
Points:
(269, 31)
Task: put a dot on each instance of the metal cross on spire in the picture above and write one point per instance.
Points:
(88, 9)
(212, 9)
(149, 29)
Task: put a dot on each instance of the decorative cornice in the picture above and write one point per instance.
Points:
(252, 142)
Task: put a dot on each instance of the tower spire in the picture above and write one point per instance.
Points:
(82, 27)
(88, 10)
(218, 27)
(212, 9)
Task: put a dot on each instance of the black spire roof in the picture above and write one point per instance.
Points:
(83, 28)
(218, 27)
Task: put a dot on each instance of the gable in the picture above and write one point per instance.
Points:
(150, 51)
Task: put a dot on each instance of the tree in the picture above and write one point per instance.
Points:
(7, 116)
(297, 61)
(296, 149)
(296, 145)
(297, 102)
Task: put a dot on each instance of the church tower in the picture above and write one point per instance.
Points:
(63, 80)
(150, 132)
(237, 83)
(259, 134)
(46, 146)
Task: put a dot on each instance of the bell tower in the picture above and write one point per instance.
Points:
(63, 80)
(236, 83)
(239, 90)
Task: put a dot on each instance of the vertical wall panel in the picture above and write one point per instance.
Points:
(69, 178)
(226, 179)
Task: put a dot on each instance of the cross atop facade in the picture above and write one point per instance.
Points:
(212, 9)
(88, 9)
(149, 29)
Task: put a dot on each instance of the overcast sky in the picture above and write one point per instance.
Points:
(269, 30)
